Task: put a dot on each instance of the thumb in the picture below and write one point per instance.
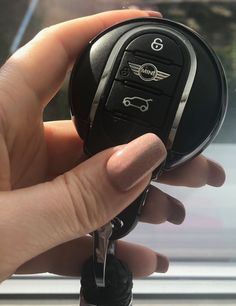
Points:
(40, 217)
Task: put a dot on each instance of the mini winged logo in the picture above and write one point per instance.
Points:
(148, 72)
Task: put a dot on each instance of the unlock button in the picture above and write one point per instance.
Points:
(158, 46)
(138, 104)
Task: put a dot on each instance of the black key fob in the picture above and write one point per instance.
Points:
(148, 75)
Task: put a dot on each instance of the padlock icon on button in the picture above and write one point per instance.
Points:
(157, 44)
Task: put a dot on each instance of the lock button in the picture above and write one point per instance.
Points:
(158, 46)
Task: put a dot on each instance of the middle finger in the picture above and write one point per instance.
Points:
(197, 172)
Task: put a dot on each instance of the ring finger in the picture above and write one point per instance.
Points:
(161, 207)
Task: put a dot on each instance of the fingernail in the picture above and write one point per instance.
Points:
(177, 211)
(162, 264)
(216, 175)
(154, 14)
(134, 161)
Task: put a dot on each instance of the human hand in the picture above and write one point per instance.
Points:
(51, 197)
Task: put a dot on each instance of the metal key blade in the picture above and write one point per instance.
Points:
(100, 249)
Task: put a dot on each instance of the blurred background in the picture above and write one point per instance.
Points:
(207, 239)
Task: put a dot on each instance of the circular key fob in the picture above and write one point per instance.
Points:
(148, 75)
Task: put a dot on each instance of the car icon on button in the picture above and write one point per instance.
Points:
(137, 102)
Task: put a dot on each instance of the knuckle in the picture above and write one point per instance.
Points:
(44, 31)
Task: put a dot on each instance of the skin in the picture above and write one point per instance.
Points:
(49, 196)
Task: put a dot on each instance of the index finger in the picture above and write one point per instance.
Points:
(40, 66)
